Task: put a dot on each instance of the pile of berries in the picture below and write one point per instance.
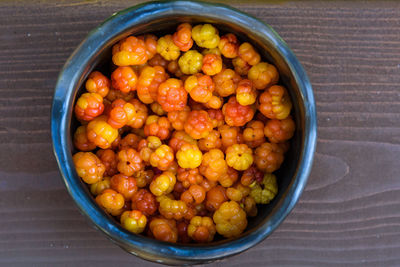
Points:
(180, 142)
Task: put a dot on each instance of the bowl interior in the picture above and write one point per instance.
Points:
(95, 53)
(165, 25)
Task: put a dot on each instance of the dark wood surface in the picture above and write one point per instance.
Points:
(349, 214)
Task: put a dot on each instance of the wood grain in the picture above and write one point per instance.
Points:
(349, 214)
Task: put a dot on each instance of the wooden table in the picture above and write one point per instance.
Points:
(349, 213)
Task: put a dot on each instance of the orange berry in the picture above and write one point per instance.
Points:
(279, 131)
(150, 42)
(144, 201)
(109, 160)
(114, 94)
(178, 190)
(182, 232)
(194, 195)
(263, 75)
(216, 116)
(200, 87)
(234, 194)
(198, 124)
(250, 175)
(133, 221)
(98, 83)
(249, 54)
(275, 103)
(213, 164)
(246, 94)
(268, 157)
(215, 102)
(143, 177)
(173, 167)
(157, 126)
(229, 45)
(250, 206)
(173, 68)
(158, 60)
(130, 141)
(182, 38)
(124, 79)
(157, 109)
(226, 82)
(180, 138)
(212, 64)
(98, 187)
(171, 95)
(111, 201)
(241, 66)
(164, 230)
(211, 141)
(129, 161)
(149, 80)
(236, 114)
(178, 118)
(89, 106)
(141, 114)
(208, 184)
(239, 157)
(121, 113)
(89, 167)
(215, 197)
(172, 209)
(163, 184)
(81, 141)
(201, 229)
(162, 157)
(102, 134)
(189, 177)
(125, 185)
(229, 178)
(129, 51)
(230, 135)
(214, 51)
(253, 134)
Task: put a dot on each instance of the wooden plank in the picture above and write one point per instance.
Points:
(349, 213)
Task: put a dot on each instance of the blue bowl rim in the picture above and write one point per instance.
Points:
(61, 111)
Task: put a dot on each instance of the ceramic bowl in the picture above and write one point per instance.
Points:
(95, 52)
